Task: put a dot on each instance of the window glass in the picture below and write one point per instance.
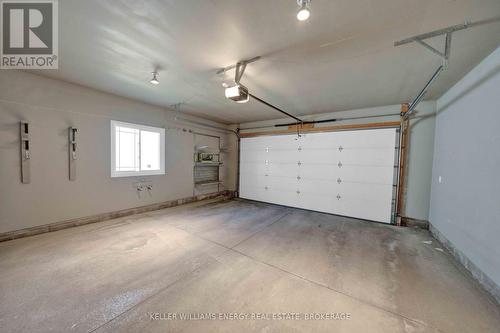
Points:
(136, 150)
(150, 150)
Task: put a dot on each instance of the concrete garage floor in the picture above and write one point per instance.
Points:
(237, 257)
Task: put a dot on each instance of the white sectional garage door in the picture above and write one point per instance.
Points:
(350, 173)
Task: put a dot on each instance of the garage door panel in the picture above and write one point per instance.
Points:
(351, 173)
(366, 201)
(270, 142)
(271, 169)
(318, 203)
(316, 156)
(252, 145)
(281, 197)
(363, 191)
(282, 157)
(282, 142)
(271, 158)
(366, 174)
(333, 140)
(249, 169)
(282, 183)
(282, 169)
(367, 138)
(363, 156)
(253, 193)
(253, 156)
(253, 181)
(344, 200)
(318, 171)
(285, 198)
(376, 209)
(375, 157)
(371, 211)
(346, 205)
(276, 156)
(318, 187)
(347, 173)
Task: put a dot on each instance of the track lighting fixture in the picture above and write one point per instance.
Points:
(154, 80)
(304, 12)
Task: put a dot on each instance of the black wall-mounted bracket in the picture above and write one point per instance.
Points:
(72, 152)
(25, 141)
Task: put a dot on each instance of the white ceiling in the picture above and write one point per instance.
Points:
(341, 58)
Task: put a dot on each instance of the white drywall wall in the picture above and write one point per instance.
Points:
(51, 106)
(465, 196)
(420, 154)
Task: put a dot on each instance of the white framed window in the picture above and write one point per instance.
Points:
(137, 150)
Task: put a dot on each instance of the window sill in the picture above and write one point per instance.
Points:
(137, 174)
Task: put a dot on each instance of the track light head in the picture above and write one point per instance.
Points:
(304, 12)
(154, 80)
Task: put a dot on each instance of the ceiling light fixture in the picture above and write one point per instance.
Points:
(304, 12)
(154, 80)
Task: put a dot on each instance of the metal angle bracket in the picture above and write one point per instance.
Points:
(445, 55)
(420, 39)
